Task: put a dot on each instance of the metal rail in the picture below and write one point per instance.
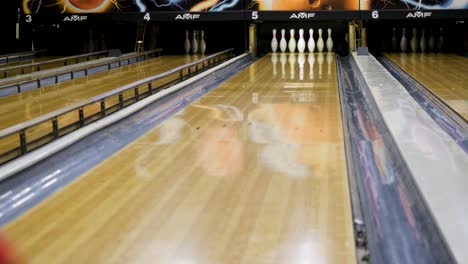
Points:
(38, 66)
(4, 59)
(22, 138)
(29, 82)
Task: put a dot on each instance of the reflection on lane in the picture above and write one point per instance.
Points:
(277, 121)
(252, 172)
(296, 63)
(219, 148)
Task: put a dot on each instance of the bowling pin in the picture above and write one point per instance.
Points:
(440, 43)
(394, 40)
(292, 64)
(403, 41)
(431, 42)
(274, 61)
(274, 42)
(301, 43)
(311, 42)
(194, 42)
(414, 41)
(283, 44)
(320, 61)
(329, 41)
(311, 61)
(187, 42)
(283, 60)
(202, 45)
(301, 61)
(292, 42)
(422, 41)
(320, 43)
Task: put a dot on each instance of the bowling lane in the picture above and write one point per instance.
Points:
(18, 108)
(445, 75)
(252, 172)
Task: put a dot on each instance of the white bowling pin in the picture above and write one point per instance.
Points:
(320, 43)
(283, 44)
(440, 43)
(311, 42)
(311, 61)
(283, 60)
(202, 43)
(292, 64)
(274, 42)
(394, 40)
(301, 43)
(292, 42)
(301, 61)
(320, 61)
(431, 42)
(194, 42)
(274, 61)
(187, 42)
(403, 41)
(414, 41)
(329, 41)
(422, 41)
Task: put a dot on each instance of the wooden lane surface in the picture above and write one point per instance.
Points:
(445, 75)
(246, 174)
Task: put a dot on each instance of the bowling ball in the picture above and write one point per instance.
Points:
(86, 4)
(7, 253)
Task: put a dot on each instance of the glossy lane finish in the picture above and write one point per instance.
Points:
(445, 75)
(252, 172)
(21, 107)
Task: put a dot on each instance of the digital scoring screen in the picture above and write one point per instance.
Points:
(414, 4)
(302, 5)
(108, 6)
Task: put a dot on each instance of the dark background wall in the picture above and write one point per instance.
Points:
(454, 32)
(74, 38)
(218, 36)
(66, 39)
(8, 18)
